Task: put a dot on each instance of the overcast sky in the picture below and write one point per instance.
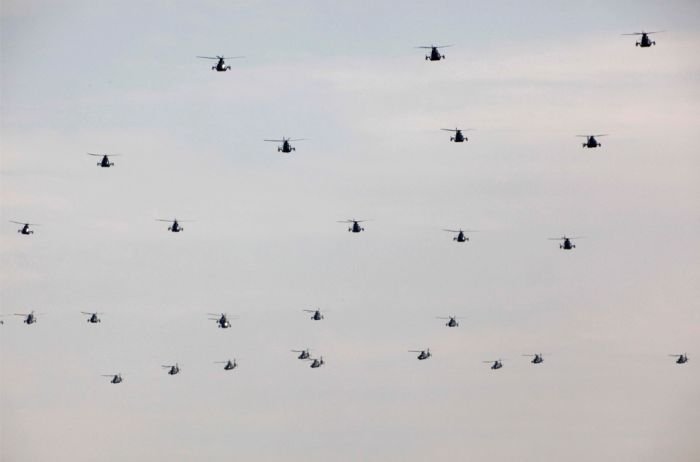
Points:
(122, 77)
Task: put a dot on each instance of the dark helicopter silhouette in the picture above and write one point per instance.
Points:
(172, 370)
(496, 364)
(286, 144)
(537, 358)
(682, 358)
(222, 320)
(229, 365)
(25, 227)
(422, 354)
(105, 162)
(116, 378)
(458, 136)
(591, 142)
(434, 55)
(29, 318)
(316, 316)
(355, 228)
(303, 354)
(452, 320)
(220, 65)
(645, 41)
(92, 317)
(566, 244)
(175, 226)
(316, 362)
(460, 237)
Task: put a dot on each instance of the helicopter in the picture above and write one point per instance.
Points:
(458, 137)
(422, 354)
(645, 41)
(303, 354)
(355, 228)
(434, 55)
(460, 237)
(92, 317)
(316, 362)
(316, 316)
(682, 358)
(25, 227)
(105, 162)
(452, 320)
(222, 321)
(116, 378)
(591, 142)
(220, 65)
(172, 370)
(567, 244)
(537, 358)
(29, 319)
(286, 144)
(229, 364)
(497, 364)
(175, 227)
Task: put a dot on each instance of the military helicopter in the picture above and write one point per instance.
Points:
(29, 319)
(434, 55)
(567, 244)
(460, 237)
(286, 144)
(682, 358)
(316, 362)
(175, 227)
(116, 378)
(25, 227)
(92, 317)
(422, 354)
(497, 364)
(172, 370)
(537, 358)
(458, 137)
(220, 65)
(452, 320)
(355, 228)
(591, 142)
(303, 354)
(316, 316)
(222, 321)
(645, 41)
(105, 162)
(229, 364)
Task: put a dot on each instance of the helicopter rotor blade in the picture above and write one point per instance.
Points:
(297, 139)
(208, 57)
(276, 141)
(24, 223)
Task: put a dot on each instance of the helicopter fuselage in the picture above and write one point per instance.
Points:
(645, 42)
(175, 227)
(459, 137)
(452, 323)
(497, 365)
(434, 55)
(591, 143)
(221, 66)
(567, 245)
(105, 163)
(460, 237)
(94, 319)
(356, 228)
(286, 147)
(25, 230)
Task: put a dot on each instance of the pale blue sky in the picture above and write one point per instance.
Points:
(122, 77)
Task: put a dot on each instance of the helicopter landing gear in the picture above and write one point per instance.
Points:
(213, 68)
(636, 44)
(443, 56)
(427, 58)
(228, 68)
